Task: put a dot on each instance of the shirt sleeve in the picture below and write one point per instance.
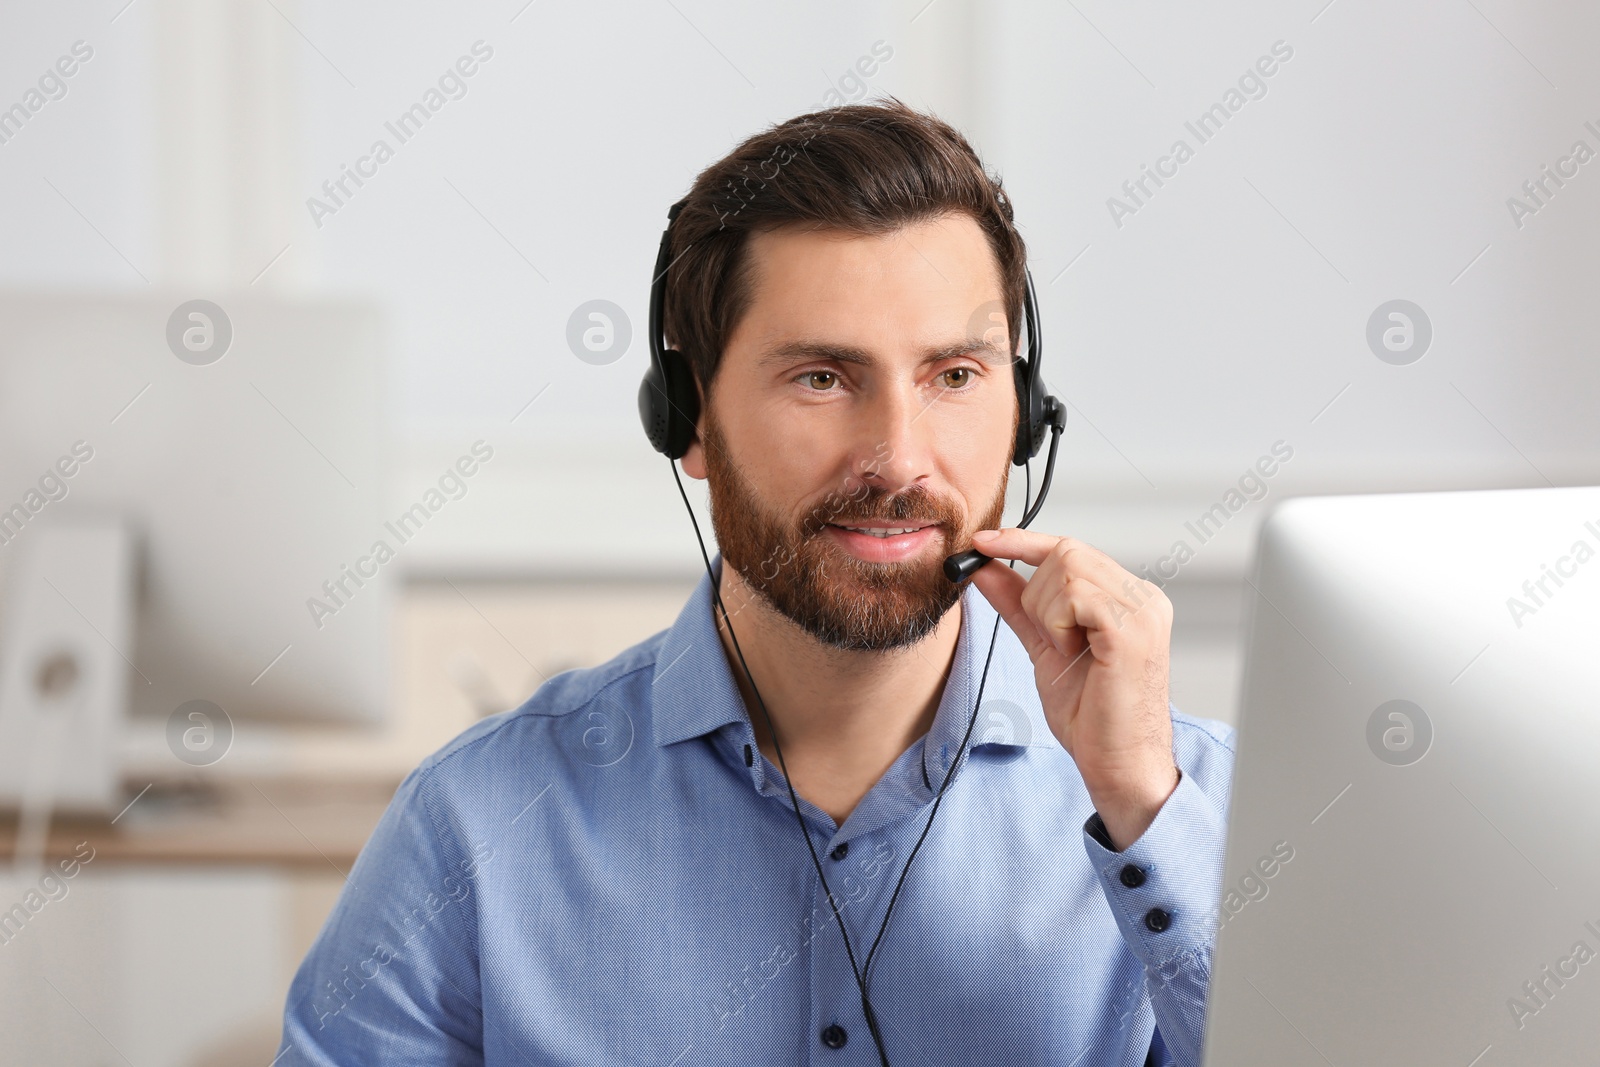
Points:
(392, 977)
(1163, 893)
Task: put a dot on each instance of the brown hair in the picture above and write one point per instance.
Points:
(861, 168)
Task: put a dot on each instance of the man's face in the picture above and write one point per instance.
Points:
(860, 426)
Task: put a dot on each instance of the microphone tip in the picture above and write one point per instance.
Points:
(963, 565)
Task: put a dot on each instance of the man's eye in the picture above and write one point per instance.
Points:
(957, 377)
(820, 379)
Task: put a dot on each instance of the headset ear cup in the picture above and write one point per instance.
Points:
(1030, 424)
(653, 408)
(669, 404)
(680, 404)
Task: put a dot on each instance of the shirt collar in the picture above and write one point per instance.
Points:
(694, 692)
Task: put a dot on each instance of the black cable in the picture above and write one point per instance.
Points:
(862, 973)
(950, 772)
(794, 798)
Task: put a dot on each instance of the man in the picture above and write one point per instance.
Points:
(613, 873)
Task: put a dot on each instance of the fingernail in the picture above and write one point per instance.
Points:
(986, 535)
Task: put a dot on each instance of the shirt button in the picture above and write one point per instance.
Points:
(834, 1036)
(1131, 876)
(1157, 920)
(840, 851)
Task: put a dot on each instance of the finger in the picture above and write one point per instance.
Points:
(1026, 546)
(1003, 588)
(1130, 597)
(1077, 611)
(1068, 561)
(1057, 621)
(1073, 559)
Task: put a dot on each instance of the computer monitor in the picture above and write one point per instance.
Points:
(1413, 858)
(239, 443)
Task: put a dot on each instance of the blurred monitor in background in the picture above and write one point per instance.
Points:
(240, 450)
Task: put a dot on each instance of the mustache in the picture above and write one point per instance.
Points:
(914, 505)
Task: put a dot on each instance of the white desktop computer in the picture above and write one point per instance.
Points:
(1413, 859)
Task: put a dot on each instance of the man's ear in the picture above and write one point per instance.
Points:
(694, 460)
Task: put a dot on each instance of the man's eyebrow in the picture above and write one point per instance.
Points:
(794, 351)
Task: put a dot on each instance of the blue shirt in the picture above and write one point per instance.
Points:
(612, 874)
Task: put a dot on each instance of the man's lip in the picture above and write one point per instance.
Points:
(893, 548)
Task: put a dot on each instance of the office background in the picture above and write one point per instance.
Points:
(1425, 153)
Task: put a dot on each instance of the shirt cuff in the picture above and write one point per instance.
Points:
(1163, 888)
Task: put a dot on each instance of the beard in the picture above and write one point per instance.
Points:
(842, 601)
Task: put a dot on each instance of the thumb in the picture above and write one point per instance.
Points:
(1002, 587)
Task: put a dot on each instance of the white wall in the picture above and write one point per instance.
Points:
(1223, 316)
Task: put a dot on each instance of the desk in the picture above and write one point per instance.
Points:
(188, 922)
(300, 824)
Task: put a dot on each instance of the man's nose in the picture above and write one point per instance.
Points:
(891, 451)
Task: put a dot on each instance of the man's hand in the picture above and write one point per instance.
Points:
(1100, 642)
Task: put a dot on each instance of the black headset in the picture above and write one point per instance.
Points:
(669, 404)
(669, 407)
